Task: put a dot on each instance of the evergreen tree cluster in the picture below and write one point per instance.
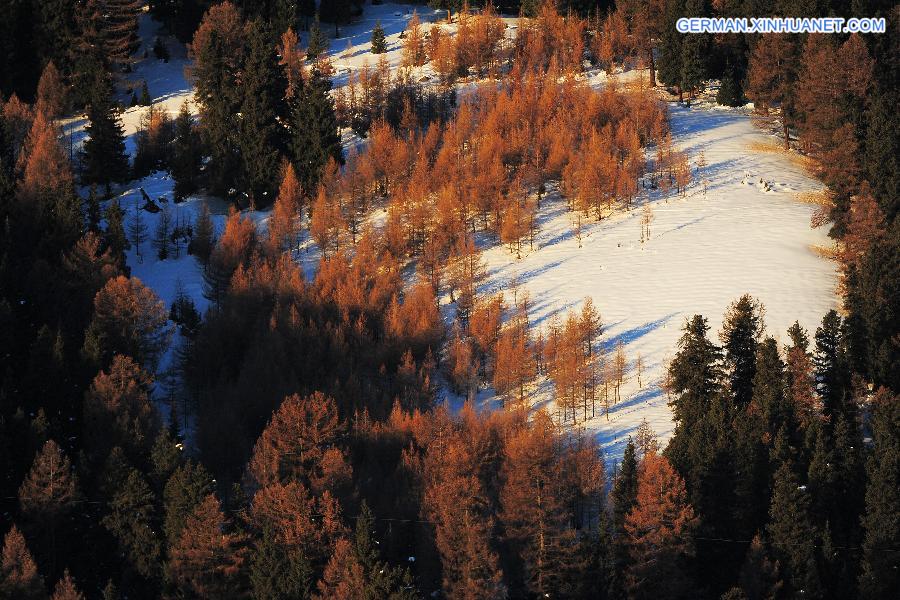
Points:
(250, 127)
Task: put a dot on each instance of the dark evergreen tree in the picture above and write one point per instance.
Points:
(880, 576)
(146, 100)
(791, 532)
(695, 382)
(260, 137)
(335, 11)
(731, 92)
(114, 237)
(883, 149)
(185, 490)
(624, 492)
(186, 156)
(277, 572)
(695, 49)
(830, 365)
(742, 328)
(133, 523)
(318, 43)
(671, 41)
(315, 138)
(379, 45)
(218, 54)
(105, 160)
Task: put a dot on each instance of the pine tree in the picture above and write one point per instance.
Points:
(695, 49)
(379, 45)
(207, 559)
(318, 43)
(184, 491)
(830, 365)
(217, 51)
(65, 589)
(284, 225)
(162, 237)
(260, 134)
(791, 533)
(335, 11)
(204, 238)
(137, 230)
(659, 532)
(19, 577)
(114, 237)
(880, 575)
(731, 91)
(624, 492)
(117, 409)
(186, 155)
(315, 138)
(671, 47)
(52, 95)
(105, 160)
(772, 76)
(50, 487)
(145, 100)
(882, 150)
(133, 523)
(742, 328)
(695, 382)
(129, 319)
(278, 573)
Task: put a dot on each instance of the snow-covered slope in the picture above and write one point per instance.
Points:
(747, 234)
(705, 250)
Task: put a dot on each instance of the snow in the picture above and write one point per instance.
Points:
(705, 251)
(747, 234)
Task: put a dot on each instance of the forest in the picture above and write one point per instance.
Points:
(285, 436)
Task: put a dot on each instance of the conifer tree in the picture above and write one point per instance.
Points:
(695, 50)
(208, 560)
(114, 237)
(276, 572)
(162, 237)
(335, 11)
(742, 329)
(117, 409)
(204, 239)
(52, 95)
(284, 225)
(772, 77)
(671, 47)
(129, 319)
(66, 589)
(791, 532)
(133, 523)
(624, 492)
(830, 366)
(315, 139)
(50, 487)
(217, 51)
(318, 43)
(379, 45)
(659, 532)
(105, 160)
(260, 136)
(19, 577)
(186, 155)
(695, 382)
(184, 491)
(880, 566)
